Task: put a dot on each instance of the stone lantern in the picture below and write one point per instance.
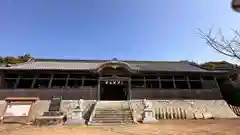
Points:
(148, 112)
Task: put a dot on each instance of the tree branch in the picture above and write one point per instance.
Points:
(218, 42)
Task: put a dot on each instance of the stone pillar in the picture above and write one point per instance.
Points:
(148, 112)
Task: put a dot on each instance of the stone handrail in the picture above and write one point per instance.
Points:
(132, 111)
(93, 113)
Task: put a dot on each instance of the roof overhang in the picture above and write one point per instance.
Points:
(115, 65)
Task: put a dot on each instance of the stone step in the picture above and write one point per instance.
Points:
(112, 121)
(102, 125)
(111, 113)
(112, 116)
(113, 109)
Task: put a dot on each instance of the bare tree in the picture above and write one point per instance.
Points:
(228, 47)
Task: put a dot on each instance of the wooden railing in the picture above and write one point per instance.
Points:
(204, 94)
(47, 94)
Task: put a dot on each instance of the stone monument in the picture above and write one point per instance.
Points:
(54, 115)
(77, 116)
(148, 113)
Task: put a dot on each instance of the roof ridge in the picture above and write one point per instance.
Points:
(103, 60)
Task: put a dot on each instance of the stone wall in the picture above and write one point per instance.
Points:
(192, 109)
(67, 107)
(47, 94)
(185, 109)
(162, 94)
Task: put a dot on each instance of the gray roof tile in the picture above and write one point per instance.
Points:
(180, 66)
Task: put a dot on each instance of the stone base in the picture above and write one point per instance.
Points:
(75, 122)
(208, 115)
(198, 115)
(149, 120)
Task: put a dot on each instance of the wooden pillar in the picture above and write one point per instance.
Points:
(66, 83)
(189, 86)
(34, 81)
(159, 82)
(50, 82)
(99, 89)
(129, 89)
(83, 78)
(17, 82)
(144, 80)
(201, 81)
(174, 84)
(2, 82)
(215, 80)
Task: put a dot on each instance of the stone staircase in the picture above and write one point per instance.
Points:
(112, 112)
(235, 109)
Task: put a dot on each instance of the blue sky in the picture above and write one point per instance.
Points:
(106, 29)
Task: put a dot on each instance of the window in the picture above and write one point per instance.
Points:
(137, 81)
(167, 82)
(25, 83)
(60, 76)
(209, 82)
(74, 83)
(10, 83)
(26, 80)
(42, 80)
(92, 83)
(41, 83)
(90, 80)
(75, 76)
(134, 78)
(166, 77)
(152, 81)
(194, 77)
(11, 75)
(59, 80)
(196, 84)
(137, 84)
(10, 80)
(44, 76)
(152, 84)
(195, 81)
(181, 82)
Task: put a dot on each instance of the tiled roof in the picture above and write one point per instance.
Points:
(181, 66)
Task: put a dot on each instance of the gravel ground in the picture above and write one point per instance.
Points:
(170, 127)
